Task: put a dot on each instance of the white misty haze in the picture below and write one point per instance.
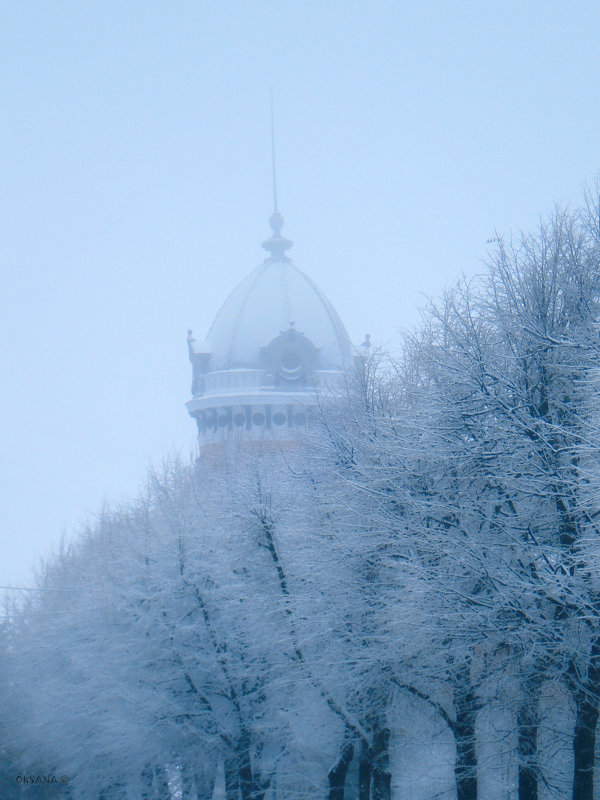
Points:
(136, 191)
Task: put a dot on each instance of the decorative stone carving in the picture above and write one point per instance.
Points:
(289, 359)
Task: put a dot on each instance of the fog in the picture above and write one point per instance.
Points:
(136, 192)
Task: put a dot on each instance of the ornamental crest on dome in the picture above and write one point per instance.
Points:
(289, 358)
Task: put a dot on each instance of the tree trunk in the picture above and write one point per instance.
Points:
(364, 773)
(204, 781)
(146, 783)
(380, 763)
(584, 745)
(232, 781)
(337, 774)
(527, 725)
(465, 766)
(161, 784)
(587, 708)
(246, 777)
(188, 789)
(250, 784)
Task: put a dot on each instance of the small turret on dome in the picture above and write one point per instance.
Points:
(199, 354)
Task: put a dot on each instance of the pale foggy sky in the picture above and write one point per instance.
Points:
(136, 192)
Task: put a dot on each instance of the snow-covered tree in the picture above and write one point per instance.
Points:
(427, 557)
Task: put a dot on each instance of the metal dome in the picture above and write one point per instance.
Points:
(266, 303)
(276, 343)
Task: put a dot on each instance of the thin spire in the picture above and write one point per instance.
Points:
(277, 244)
(273, 154)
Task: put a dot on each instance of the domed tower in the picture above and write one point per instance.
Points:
(275, 345)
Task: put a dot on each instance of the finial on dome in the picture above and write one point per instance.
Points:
(277, 244)
(276, 223)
